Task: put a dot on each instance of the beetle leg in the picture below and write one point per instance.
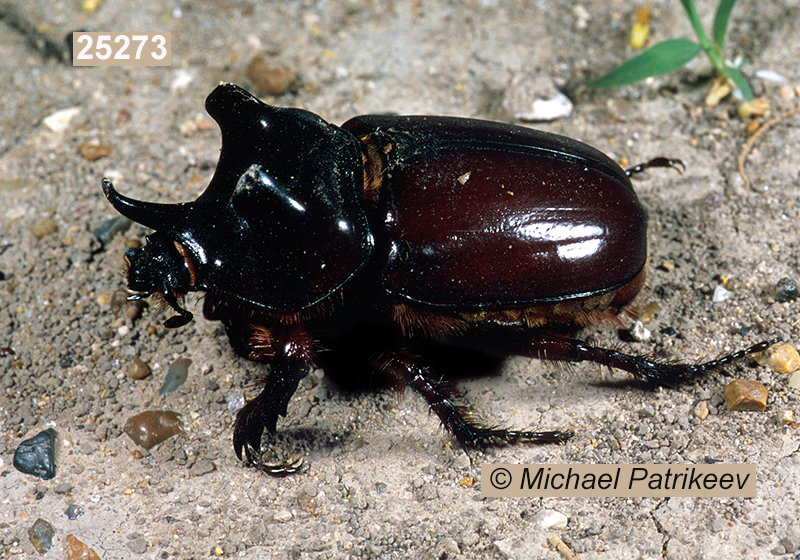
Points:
(461, 421)
(291, 363)
(184, 316)
(651, 371)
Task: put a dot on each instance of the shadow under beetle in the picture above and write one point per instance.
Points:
(319, 245)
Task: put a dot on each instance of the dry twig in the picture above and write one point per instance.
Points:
(752, 140)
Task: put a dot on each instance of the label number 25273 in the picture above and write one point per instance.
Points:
(122, 49)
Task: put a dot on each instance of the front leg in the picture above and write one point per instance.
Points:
(292, 360)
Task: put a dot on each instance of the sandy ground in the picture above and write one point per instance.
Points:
(383, 480)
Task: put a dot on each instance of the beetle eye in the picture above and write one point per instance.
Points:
(188, 262)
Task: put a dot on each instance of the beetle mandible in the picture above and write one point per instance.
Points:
(389, 233)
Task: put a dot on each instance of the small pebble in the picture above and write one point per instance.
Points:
(43, 228)
(770, 76)
(741, 394)
(467, 481)
(92, 152)
(41, 535)
(720, 294)
(550, 519)
(176, 375)
(647, 313)
(794, 380)
(701, 410)
(282, 516)
(536, 98)
(137, 545)
(462, 462)
(785, 418)
(137, 369)
(715, 199)
(201, 467)
(235, 402)
(134, 308)
(152, 427)
(758, 107)
(76, 550)
(90, 6)
(639, 332)
(60, 120)
(786, 290)
(780, 358)
(106, 231)
(37, 455)
(74, 511)
(269, 75)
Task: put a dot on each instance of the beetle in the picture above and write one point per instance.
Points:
(381, 237)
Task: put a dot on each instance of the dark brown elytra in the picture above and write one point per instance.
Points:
(380, 239)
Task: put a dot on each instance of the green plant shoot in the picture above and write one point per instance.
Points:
(670, 55)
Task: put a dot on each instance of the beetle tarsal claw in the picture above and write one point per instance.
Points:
(178, 320)
(292, 465)
(184, 316)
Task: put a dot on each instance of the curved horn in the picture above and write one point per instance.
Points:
(149, 214)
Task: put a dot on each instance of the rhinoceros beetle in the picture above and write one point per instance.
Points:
(402, 231)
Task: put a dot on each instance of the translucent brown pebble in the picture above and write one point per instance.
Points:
(647, 312)
(270, 75)
(137, 369)
(43, 228)
(41, 535)
(76, 550)
(741, 394)
(781, 358)
(94, 152)
(152, 427)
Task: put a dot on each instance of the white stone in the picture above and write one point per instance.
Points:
(59, 121)
(550, 519)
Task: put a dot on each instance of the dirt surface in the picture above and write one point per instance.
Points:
(382, 479)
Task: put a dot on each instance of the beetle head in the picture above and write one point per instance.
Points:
(281, 226)
(163, 269)
(160, 267)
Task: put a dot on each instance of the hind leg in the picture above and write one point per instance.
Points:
(460, 420)
(651, 371)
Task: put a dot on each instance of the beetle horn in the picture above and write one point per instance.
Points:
(149, 214)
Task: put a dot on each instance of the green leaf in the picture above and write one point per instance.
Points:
(721, 19)
(694, 19)
(658, 59)
(740, 82)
